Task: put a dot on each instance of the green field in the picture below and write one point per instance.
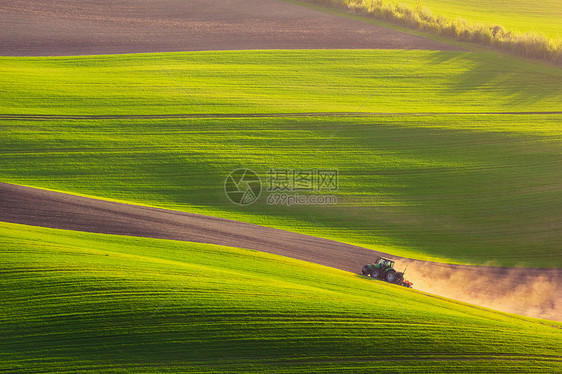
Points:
(516, 15)
(466, 188)
(277, 82)
(446, 156)
(78, 302)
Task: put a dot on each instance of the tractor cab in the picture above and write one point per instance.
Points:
(384, 263)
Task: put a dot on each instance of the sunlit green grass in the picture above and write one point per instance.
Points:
(277, 82)
(89, 302)
(458, 188)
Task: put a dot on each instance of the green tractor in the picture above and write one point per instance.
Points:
(383, 268)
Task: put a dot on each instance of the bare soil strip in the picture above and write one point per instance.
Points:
(534, 292)
(78, 27)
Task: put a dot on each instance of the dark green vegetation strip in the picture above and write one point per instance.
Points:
(463, 188)
(79, 302)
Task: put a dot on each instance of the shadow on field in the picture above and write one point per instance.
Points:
(487, 73)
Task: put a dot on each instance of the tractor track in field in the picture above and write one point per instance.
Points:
(529, 291)
(74, 27)
(86, 117)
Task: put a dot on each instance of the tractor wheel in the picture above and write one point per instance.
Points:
(390, 276)
(366, 269)
(375, 273)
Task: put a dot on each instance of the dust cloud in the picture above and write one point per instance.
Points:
(529, 292)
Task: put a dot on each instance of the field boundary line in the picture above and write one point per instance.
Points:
(49, 117)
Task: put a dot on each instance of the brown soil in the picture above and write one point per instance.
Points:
(534, 292)
(78, 27)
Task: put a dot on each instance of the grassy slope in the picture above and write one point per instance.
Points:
(517, 15)
(447, 187)
(277, 82)
(412, 190)
(79, 302)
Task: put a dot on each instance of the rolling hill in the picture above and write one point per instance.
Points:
(90, 302)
